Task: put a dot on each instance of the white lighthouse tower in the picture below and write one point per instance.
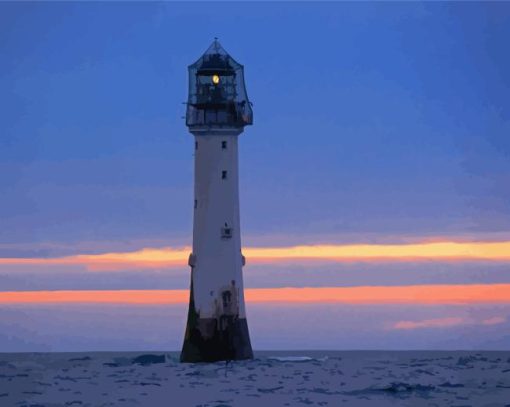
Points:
(217, 111)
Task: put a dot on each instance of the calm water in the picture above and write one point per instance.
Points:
(320, 378)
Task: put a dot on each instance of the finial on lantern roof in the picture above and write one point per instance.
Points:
(215, 48)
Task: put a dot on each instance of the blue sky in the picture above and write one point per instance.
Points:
(370, 118)
(373, 122)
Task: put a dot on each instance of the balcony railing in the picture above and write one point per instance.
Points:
(229, 114)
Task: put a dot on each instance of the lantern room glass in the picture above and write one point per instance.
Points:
(217, 95)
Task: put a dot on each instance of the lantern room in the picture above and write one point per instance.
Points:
(217, 94)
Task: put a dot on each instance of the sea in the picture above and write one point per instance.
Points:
(272, 378)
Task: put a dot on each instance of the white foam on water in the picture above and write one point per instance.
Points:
(291, 358)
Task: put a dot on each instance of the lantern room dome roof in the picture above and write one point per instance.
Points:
(215, 60)
(216, 48)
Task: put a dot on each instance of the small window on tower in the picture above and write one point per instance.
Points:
(226, 232)
(195, 205)
(196, 145)
(224, 145)
(224, 175)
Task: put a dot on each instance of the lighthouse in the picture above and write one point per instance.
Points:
(217, 111)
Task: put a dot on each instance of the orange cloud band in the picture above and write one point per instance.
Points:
(431, 323)
(447, 322)
(418, 294)
(177, 257)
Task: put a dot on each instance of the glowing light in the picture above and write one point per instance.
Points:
(216, 79)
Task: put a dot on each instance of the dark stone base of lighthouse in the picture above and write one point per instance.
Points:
(215, 339)
(206, 343)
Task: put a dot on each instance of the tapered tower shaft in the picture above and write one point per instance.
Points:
(216, 327)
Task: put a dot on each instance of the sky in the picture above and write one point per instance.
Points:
(378, 163)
